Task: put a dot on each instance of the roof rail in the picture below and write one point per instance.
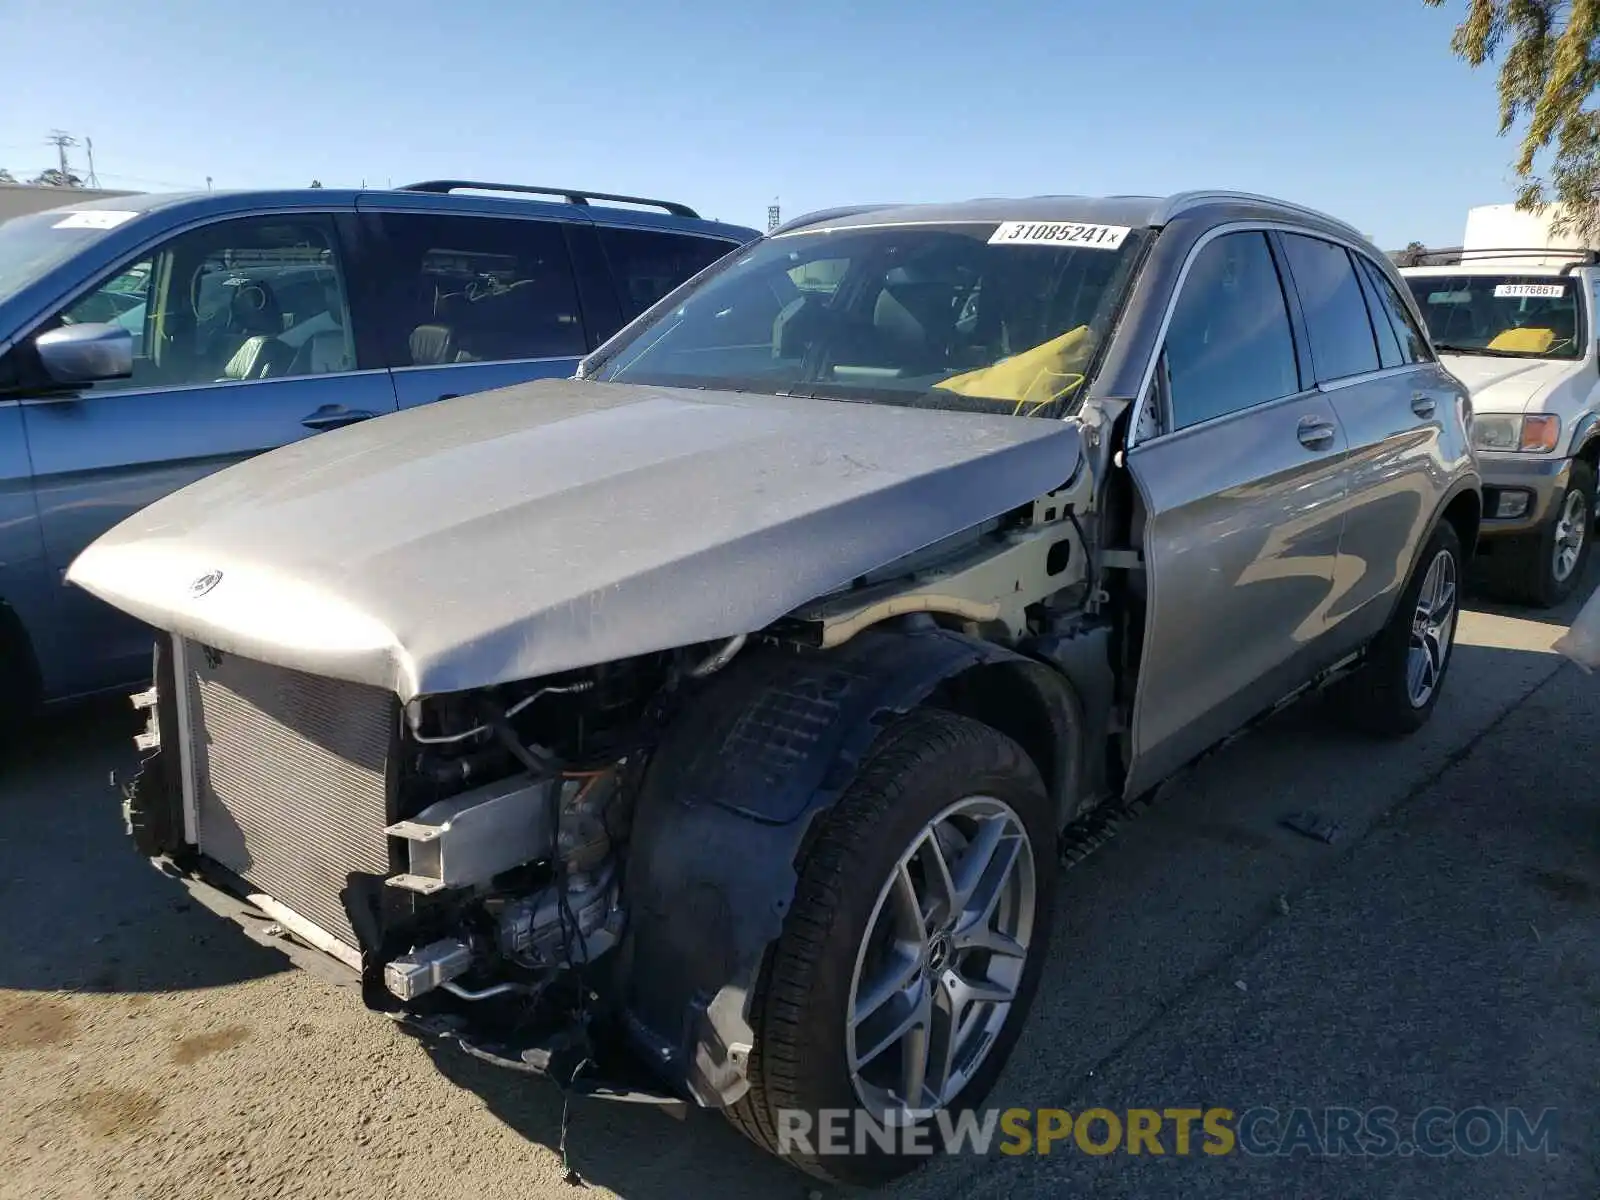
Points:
(570, 195)
(1458, 254)
(1184, 201)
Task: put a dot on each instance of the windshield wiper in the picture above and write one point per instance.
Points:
(1447, 348)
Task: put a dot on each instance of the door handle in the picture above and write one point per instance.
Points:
(1423, 404)
(333, 416)
(1315, 434)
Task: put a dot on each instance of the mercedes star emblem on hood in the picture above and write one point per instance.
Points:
(204, 584)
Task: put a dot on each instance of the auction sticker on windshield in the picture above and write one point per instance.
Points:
(94, 219)
(1511, 290)
(1059, 233)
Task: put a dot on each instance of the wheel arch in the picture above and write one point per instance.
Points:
(20, 674)
(729, 804)
(1586, 440)
(1464, 510)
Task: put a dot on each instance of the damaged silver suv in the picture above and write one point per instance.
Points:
(712, 727)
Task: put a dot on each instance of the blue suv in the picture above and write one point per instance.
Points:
(146, 341)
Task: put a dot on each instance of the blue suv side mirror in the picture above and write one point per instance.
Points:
(85, 353)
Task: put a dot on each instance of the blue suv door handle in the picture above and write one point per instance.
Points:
(333, 416)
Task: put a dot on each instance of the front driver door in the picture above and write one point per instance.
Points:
(1240, 478)
(243, 342)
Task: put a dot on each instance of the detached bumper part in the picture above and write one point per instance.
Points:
(427, 967)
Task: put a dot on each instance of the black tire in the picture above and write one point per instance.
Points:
(1524, 568)
(1378, 699)
(922, 764)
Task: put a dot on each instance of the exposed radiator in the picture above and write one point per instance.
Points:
(290, 780)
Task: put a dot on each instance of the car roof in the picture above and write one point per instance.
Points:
(1131, 211)
(240, 202)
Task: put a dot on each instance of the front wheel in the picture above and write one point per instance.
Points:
(1395, 691)
(907, 964)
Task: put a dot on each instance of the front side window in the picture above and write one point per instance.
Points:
(940, 316)
(1501, 314)
(1229, 346)
(648, 263)
(478, 289)
(252, 299)
(1342, 341)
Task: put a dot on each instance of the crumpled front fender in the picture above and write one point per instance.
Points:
(723, 817)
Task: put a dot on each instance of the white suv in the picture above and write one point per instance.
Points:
(1518, 328)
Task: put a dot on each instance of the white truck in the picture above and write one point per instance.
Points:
(1513, 314)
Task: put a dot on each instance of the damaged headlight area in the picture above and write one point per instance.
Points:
(463, 854)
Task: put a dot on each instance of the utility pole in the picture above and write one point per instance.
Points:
(61, 140)
(88, 147)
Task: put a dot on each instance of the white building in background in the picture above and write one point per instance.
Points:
(19, 198)
(1504, 227)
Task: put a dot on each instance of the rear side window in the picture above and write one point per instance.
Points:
(1342, 341)
(649, 263)
(1229, 345)
(477, 289)
(1413, 347)
(1382, 328)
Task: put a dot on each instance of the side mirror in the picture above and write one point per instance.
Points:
(74, 354)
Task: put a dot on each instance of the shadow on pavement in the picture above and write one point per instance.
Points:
(100, 919)
(634, 1150)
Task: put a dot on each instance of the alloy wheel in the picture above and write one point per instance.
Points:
(1431, 628)
(941, 961)
(1571, 530)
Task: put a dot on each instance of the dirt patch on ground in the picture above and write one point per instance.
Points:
(28, 1022)
(114, 1111)
(202, 1045)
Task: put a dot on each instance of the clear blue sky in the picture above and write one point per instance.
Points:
(1356, 107)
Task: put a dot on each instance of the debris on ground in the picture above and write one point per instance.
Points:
(1315, 825)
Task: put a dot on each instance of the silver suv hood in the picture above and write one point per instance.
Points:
(556, 525)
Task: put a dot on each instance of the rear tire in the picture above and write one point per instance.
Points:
(864, 952)
(1544, 567)
(1395, 691)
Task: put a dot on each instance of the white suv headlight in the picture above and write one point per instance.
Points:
(1536, 433)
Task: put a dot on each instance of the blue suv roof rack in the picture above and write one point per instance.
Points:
(570, 195)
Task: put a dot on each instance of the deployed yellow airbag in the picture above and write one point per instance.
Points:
(1032, 379)
(1528, 340)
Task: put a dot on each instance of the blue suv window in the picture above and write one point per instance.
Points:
(647, 264)
(236, 301)
(477, 289)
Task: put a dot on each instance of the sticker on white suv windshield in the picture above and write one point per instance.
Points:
(1511, 290)
(1059, 233)
(94, 219)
